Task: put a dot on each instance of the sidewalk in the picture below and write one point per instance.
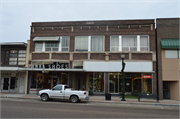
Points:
(101, 99)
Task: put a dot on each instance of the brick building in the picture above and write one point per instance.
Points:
(168, 58)
(86, 55)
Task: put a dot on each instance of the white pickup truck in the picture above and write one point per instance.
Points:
(63, 92)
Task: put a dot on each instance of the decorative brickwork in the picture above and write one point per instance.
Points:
(80, 56)
(142, 56)
(39, 56)
(117, 56)
(60, 56)
(107, 43)
(97, 56)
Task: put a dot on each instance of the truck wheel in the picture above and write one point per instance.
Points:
(44, 97)
(74, 99)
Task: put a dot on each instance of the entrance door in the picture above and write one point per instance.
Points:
(21, 85)
(166, 89)
(5, 86)
(54, 82)
(128, 85)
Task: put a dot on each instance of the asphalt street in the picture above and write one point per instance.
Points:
(26, 108)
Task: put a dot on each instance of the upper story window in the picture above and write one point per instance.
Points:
(129, 43)
(15, 57)
(81, 43)
(38, 46)
(172, 54)
(65, 43)
(51, 44)
(89, 43)
(97, 43)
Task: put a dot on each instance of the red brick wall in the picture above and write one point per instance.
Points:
(39, 56)
(142, 56)
(97, 56)
(117, 56)
(80, 56)
(60, 56)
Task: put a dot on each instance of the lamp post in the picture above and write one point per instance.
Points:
(123, 77)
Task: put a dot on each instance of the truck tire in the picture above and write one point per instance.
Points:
(74, 99)
(44, 97)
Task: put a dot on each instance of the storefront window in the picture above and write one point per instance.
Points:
(136, 78)
(115, 82)
(96, 82)
(147, 83)
(48, 80)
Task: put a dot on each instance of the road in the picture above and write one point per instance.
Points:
(26, 108)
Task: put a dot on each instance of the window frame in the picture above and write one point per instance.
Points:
(61, 47)
(177, 51)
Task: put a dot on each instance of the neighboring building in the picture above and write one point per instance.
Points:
(13, 58)
(86, 55)
(168, 58)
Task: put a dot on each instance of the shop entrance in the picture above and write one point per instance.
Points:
(128, 85)
(54, 82)
(166, 89)
(7, 84)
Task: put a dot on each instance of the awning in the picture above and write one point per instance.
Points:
(52, 38)
(170, 43)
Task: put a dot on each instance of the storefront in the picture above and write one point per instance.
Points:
(12, 80)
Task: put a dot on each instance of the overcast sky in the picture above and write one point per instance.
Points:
(17, 15)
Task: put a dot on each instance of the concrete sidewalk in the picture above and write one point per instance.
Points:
(101, 99)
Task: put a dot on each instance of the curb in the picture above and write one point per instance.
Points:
(102, 102)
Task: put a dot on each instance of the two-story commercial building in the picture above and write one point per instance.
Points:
(13, 57)
(86, 55)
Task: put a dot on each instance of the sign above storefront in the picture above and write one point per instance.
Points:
(7, 74)
(147, 76)
(55, 65)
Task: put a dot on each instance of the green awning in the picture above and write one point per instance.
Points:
(170, 43)
(51, 38)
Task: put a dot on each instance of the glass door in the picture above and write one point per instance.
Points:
(54, 82)
(5, 82)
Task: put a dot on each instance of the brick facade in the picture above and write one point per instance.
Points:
(80, 56)
(117, 56)
(142, 56)
(39, 56)
(97, 56)
(60, 56)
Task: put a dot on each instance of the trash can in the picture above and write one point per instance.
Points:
(108, 96)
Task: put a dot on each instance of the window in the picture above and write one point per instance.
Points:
(89, 43)
(57, 88)
(97, 43)
(129, 43)
(144, 43)
(13, 57)
(51, 46)
(172, 54)
(22, 57)
(65, 43)
(81, 43)
(38, 46)
(114, 43)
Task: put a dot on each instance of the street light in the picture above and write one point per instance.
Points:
(123, 66)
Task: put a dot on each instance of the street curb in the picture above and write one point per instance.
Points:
(103, 102)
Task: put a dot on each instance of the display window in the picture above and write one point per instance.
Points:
(115, 82)
(96, 82)
(48, 80)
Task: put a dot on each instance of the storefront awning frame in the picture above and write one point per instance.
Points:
(170, 43)
(48, 38)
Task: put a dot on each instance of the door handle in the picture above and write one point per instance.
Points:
(60, 91)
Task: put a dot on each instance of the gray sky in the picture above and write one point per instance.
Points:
(17, 15)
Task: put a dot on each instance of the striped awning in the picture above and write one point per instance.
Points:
(170, 43)
(51, 38)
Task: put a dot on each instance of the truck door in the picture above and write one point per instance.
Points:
(56, 92)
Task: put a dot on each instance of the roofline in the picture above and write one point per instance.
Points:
(93, 20)
(168, 18)
(13, 43)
